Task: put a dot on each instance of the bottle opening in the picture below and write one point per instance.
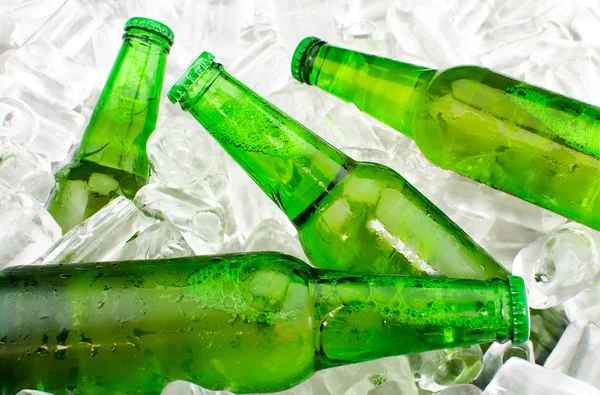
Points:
(190, 76)
(520, 309)
(304, 57)
(151, 26)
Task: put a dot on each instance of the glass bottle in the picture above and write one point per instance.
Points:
(521, 139)
(111, 159)
(244, 322)
(352, 216)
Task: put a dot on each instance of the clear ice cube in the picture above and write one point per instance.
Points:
(69, 28)
(577, 353)
(464, 389)
(17, 121)
(160, 240)
(184, 388)
(270, 236)
(349, 128)
(59, 127)
(264, 66)
(366, 378)
(201, 221)
(97, 238)
(21, 168)
(26, 228)
(181, 153)
(585, 305)
(520, 377)
(439, 369)
(559, 265)
(214, 26)
(497, 355)
(52, 74)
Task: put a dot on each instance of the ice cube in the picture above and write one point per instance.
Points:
(497, 355)
(520, 212)
(69, 28)
(249, 205)
(181, 153)
(23, 169)
(367, 378)
(7, 26)
(559, 265)
(18, 121)
(584, 363)
(577, 352)
(184, 388)
(439, 369)
(264, 65)
(47, 71)
(585, 305)
(97, 238)
(515, 10)
(504, 241)
(214, 26)
(577, 76)
(201, 221)
(349, 128)
(161, 240)
(467, 196)
(106, 41)
(300, 18)
(29, 16)
(270, 236)
(59, 127)
(429, 179)
(26, 228)
(520, 377)
(464, 389)
(305, 104)
(430, 33)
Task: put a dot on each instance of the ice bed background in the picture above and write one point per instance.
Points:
(55, 56)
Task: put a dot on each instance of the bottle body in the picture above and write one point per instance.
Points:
(515, 137)
(111, 159)
(373, 221)
(247, 322)
(350, 216)
(518, 138)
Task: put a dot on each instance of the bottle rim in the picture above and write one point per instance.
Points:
(520, 310)
(301, 54)
(151, 26)
(189, 77)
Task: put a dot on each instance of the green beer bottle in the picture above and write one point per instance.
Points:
(111, 159)
(521, 139)
(244, 322)
(360, 217)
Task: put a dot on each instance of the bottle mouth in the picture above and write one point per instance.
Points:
(190, 76)
(152, 26)
(520, 309)
(304, 55)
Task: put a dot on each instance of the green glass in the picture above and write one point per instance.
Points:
(111, 160)
(247, 322)
(360, 217)
(532, 143)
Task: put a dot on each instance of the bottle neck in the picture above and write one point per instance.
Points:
(292, 165)
(387, 90)
(367, 317)
(127, 110)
